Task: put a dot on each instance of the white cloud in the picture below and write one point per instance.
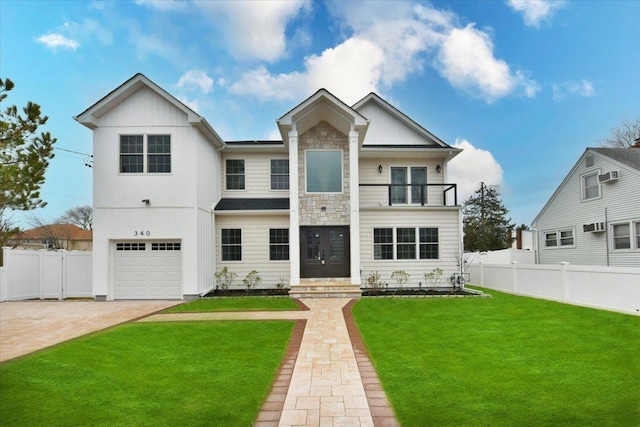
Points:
(536, 11)
(197, 79)
(253, 29)
(87, 29)
(54, 41)
(471, 167)
(466, 60)
(191, 103)
(386, 43)
(164, 5)
(582, 88)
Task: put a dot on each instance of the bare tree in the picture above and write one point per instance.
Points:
(625, 135)
(82, 216)
(52, 235)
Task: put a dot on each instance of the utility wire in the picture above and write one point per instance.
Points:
(88, 158)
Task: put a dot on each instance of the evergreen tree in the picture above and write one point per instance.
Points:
(485, 222)
(24, 155)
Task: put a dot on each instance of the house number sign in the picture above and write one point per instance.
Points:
(141, 233)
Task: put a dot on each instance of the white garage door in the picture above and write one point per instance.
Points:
(147, 270)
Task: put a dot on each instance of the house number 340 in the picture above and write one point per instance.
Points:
(141, 233)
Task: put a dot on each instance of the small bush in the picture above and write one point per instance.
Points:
(224, 278)
(401, 277)
(433, 277)
(252, 279)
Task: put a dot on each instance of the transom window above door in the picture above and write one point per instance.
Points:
(324, 171)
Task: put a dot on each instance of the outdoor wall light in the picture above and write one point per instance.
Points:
(146, 201)
(379, 168)
(438, 168)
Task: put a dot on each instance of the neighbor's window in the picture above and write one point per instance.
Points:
(428, 243)
(550, 239)
(637, 235)
(131, 154)
(279, 244)
(324, 171)
(621, 236)
(235, 174)
(231, 244)
(159, 153)
(406, 243)
(590, 186)
(383, 243)
(279, 174)
(566, 238)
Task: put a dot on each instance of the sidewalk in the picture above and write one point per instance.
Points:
(322, 381)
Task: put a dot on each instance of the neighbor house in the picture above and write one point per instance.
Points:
(54, 236)
(593, 218)
(347, 191)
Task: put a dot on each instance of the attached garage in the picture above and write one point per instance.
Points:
(147, 270)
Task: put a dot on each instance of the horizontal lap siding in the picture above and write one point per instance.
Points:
(257, 169)
(447, 222)
(255, 248)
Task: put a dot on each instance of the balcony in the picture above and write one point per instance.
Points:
(408, 195)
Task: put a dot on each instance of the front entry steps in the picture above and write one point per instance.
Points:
(325, 288)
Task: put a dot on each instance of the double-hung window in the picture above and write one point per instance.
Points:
(550, 239)
(231, 242)
(134, 149)
(428, 243)
(559, 238)
(279, 174)
(235, 174)
(590, 186)
(279, 244)
(383, 243)
(621, 236)
(403, 179)
(637, 225)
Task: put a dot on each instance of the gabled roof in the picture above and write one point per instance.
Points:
(322, 106)
(56, 231)
(629, 157)
(134, 84)
(390, 109)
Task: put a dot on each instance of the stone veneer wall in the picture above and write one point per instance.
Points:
(323, 136)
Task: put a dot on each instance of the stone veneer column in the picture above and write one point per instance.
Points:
(294, 218)
(354, 183)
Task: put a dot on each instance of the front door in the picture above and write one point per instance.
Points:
(324, 252)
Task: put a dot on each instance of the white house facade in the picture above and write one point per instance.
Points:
(347, 191)
(593, 218)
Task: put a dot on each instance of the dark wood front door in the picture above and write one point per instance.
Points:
(324, 252)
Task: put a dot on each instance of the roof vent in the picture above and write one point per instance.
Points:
(588, 162)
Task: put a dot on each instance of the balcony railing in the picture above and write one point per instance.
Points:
(409, 194)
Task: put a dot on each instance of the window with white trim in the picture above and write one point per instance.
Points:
(234, 170)
(405, 243)
(637, 225)
(590, 186)
(231, 242)
(621, 236)
(279, 244)
(564, 237)
(157, 152)
(408, 185)
(279, 174)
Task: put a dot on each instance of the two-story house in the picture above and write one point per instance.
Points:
(593, 217)
(347, 191)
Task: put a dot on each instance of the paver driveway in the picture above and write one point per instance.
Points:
(27, 326)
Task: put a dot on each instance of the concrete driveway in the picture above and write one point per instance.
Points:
(27, 326)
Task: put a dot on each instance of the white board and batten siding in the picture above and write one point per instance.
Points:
(619, 201)
(255, 248)
(385, 129)
(447, 221)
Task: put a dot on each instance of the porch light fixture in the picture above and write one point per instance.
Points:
(438, 168)
(379, 168)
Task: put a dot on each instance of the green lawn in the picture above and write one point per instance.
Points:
(236, 304)
(503, 361)
(148, 374)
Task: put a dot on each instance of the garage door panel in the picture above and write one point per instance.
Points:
(147, 270)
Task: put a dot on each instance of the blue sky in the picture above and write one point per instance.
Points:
(523, 87)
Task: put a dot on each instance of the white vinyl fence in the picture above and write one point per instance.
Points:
(608, 288)
(30, 274)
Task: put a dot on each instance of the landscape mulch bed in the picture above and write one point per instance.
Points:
(366, 292)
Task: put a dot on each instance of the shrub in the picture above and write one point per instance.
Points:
(401, 277)
(252, 279)
(224, 278)
(433, 277)
(373, 280)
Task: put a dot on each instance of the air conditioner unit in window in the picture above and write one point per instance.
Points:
(594, 227)
(609, 176)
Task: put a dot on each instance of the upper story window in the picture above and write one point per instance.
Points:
(133, 153)
(279, 174)
(590, 186)
(235, 178)
(324, 171)
(409, 185)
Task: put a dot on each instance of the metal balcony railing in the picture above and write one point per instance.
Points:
(414, 194)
